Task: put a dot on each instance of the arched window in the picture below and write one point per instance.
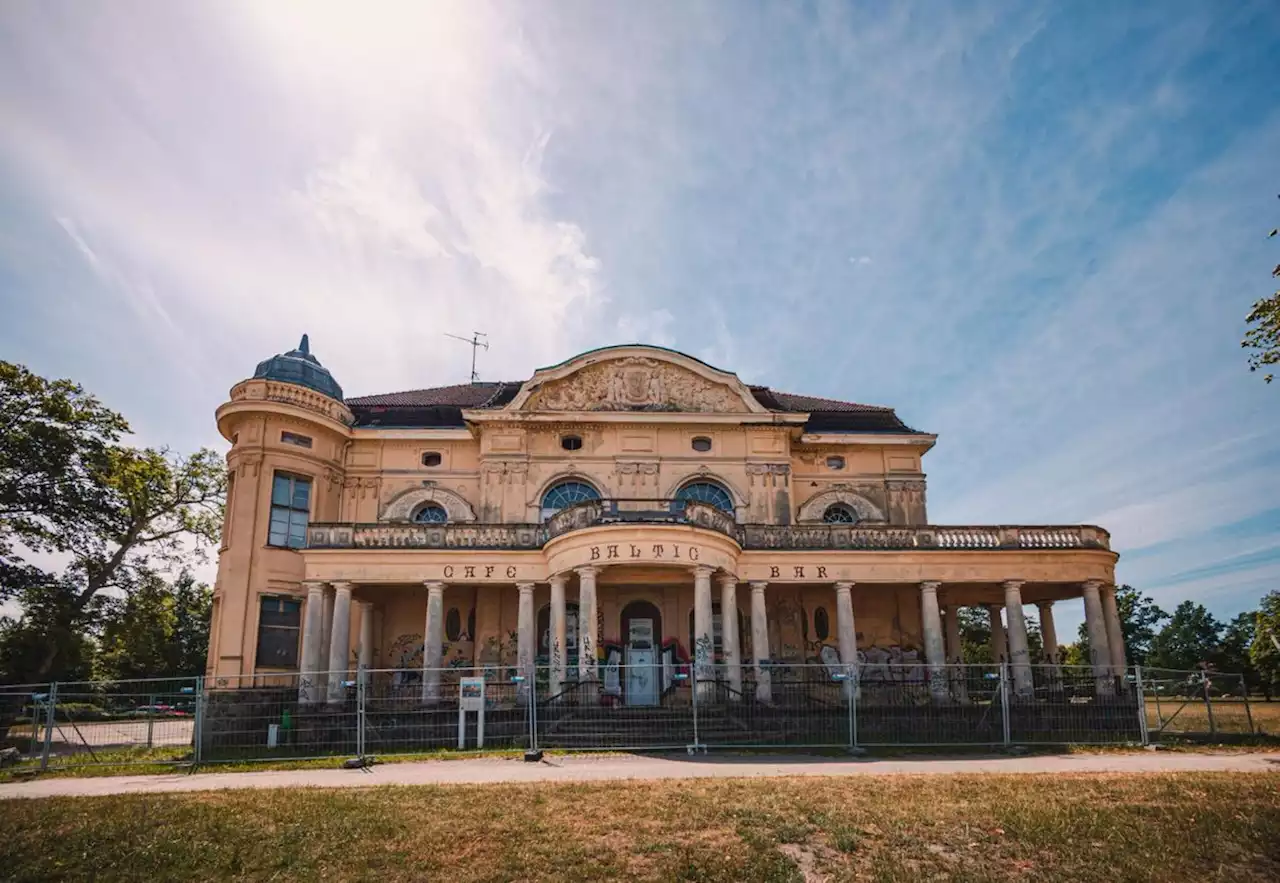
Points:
(431, 514)
(821, 624)
(707, 492)
(564, 494)
(840, 513)
(452, 624)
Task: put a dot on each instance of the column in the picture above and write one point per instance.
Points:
(760, 643)
(364, 654)
(935, 653)
(559, 649)
(588, 665)
(525, 639)
(326, 629)
(999, 652)
(1019, 653)
(1048, 632)
(339, 641)
(846, 632)
(313, 651)
(729, 634)
(1095, 623)
(955, 652)
(432, 642)
(703, 638)
(1115, 634)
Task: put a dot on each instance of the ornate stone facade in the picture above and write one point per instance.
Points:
(635, 384)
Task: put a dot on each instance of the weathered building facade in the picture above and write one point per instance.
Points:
(632, 509)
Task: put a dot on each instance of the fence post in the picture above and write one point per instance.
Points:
(360, 695)
(50, 711)
(197, 732)
(1142, 705)
(851, 678)
(1248, 713)
(533, 708)
(151, 719)
(1208, 704)
(1004, 704)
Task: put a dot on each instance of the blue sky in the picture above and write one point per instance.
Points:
(1033, 228)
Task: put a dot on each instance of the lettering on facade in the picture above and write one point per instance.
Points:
(635, 551)
(799, 571)
(488, 571)
(612, 551)
(448, 571)
(657, 550)
(511, 570)
(822, 572)
(469, 572)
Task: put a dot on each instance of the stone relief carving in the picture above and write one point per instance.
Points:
(402, 506)
(812, 509)
(635, 384)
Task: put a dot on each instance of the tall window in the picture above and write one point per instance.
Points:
(707, 492)
(279, 622)
(290, 509)
(564, 494)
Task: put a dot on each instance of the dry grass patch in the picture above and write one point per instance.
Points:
(1080, 828)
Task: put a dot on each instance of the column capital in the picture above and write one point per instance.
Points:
(558, 578)
(587, 570)
(728, 579)
(1091, 585)
(313, 585)
(525, 588)
(342, 586)
(930, 585)
(434, 587)
(758, 586)
(703, 570)
(1044, 605)
(843, 586)
(1012, 584)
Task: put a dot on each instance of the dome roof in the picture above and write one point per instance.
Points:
(300, 367)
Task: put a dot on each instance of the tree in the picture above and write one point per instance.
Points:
(1139, 619)
(117, 512)
(1264, 652)
(157, 630)
(1233, 651)
(1190, 640)
(1263, 336)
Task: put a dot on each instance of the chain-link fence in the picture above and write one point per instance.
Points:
(665, 705)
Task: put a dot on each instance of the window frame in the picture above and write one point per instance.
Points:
(545, 512)
(280, 600)
(439, 459)
(291, 510)
(700, 439)
(839, 506)
(297, 439)
(427, 507)
(682, 494)
(571, 442)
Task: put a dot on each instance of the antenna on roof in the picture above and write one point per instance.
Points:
(476, 343)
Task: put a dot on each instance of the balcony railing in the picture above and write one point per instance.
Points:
(594, 513)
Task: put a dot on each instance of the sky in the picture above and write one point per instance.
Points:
(1034, 229)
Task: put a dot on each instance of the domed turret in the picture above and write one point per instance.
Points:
(300, 367)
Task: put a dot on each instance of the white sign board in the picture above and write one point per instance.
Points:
(470, 698)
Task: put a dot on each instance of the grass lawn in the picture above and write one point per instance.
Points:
(1082, 828)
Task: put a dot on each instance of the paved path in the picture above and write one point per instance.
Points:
(580, 768)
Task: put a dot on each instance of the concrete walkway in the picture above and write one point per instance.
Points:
(588, 768)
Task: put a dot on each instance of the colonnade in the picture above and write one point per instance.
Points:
(326, 636)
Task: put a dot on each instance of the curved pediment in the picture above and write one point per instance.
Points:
(635, 378)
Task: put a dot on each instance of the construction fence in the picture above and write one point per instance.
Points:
(371, 713)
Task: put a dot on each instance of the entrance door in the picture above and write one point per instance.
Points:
(642, 673)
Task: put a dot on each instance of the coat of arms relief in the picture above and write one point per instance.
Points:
(635, 384)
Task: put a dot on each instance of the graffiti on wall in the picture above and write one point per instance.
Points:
(892, 664)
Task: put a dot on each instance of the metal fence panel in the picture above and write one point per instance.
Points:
(912, 705)
(585, 714)
(1197, 704)
(802, 706)
(1071, 705)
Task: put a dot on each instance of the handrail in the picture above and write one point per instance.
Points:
(695, 513)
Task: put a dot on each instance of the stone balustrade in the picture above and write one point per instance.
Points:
(595, 513)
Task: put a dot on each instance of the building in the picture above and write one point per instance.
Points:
(609, 510)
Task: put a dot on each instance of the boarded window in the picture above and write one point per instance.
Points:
(279, 623)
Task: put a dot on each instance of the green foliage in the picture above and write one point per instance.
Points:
(117, 513)
(1263, 336)
(157, 630)
(1140, 620)
(1191, 639)
(1264, 652)
(1233, 648)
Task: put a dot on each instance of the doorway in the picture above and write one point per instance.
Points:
(642, 631)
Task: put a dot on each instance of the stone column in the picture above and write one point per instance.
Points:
(433, 642)
(525, 639)
(364, 654)
(703, 638)
(935, 653)
(729, 634)
(588, 665)
(558, 649)
(326, 629)
(1115, 634)
(1048, 632)
(999, 651)
(760, 643)
(955, 652)
(1095, 623)
(846, 632)
(313, 652)
(339, 640)
(1019, 652)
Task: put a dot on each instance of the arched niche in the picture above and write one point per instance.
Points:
(812, 510)
(402, 506)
